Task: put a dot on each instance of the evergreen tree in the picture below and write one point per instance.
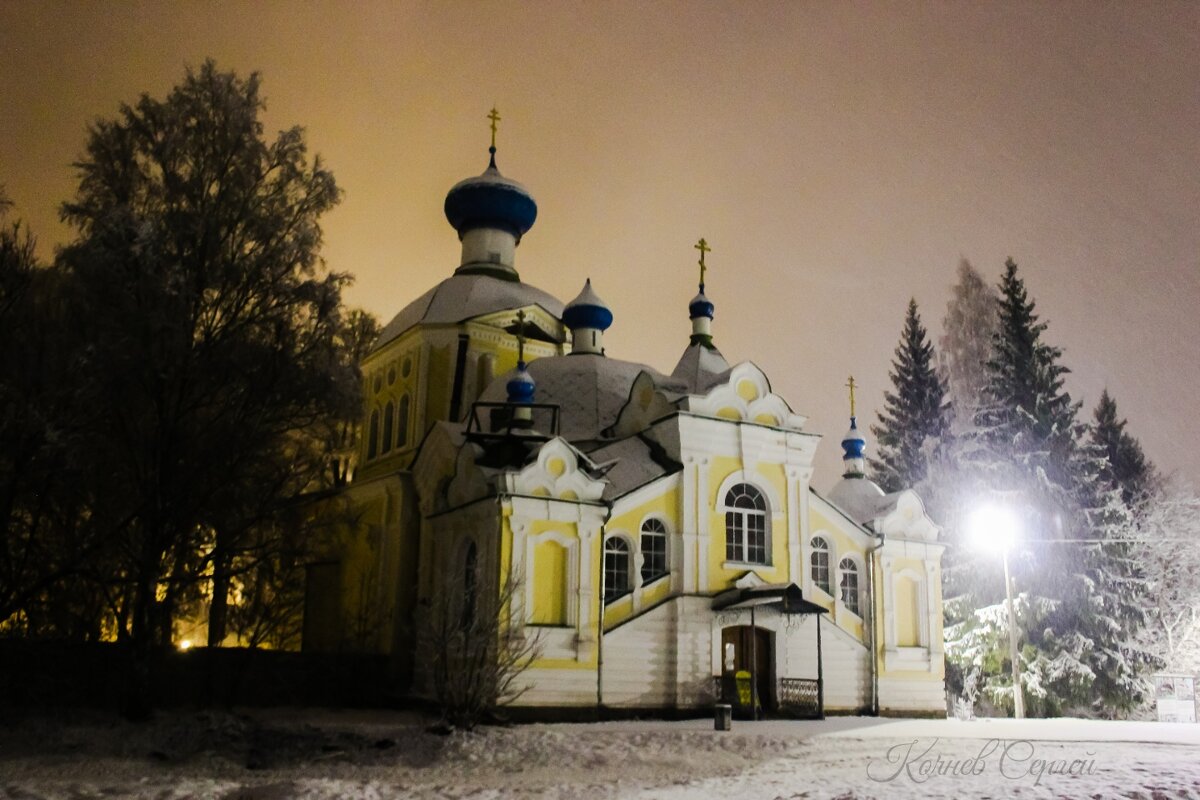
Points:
(966, 344)
(1080, 592)
(915, 419)
(1125, 466)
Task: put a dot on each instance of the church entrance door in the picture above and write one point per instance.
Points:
(749, 649)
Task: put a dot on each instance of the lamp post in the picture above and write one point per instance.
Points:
(995, 528)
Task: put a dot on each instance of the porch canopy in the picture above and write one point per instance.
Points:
(787, 596)
(804, 695)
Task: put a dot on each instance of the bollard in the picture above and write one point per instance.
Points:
(722, 717)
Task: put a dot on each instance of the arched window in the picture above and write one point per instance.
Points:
(402, 423)
(654, 550)
(849, 583)
(373, 435)
(616, 568)
(745, 525)
(388, 421)
(469, 586)
(820, 563)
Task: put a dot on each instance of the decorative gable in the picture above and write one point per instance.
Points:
(906, 519)
(560, 471)
(745, 396)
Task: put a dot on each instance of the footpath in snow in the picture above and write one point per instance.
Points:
(326, 754)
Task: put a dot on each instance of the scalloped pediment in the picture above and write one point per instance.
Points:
(557, 472)
(907, 519)
(745, 396)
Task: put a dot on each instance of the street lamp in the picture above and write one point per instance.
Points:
(993, 528)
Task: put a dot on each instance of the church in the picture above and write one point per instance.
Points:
(655, 534)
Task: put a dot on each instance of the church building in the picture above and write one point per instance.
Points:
(658, 530)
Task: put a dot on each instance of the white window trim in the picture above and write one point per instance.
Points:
(831, 549)
(857, 561)
(768, 526)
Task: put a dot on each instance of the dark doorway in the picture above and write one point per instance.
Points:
(750, 645)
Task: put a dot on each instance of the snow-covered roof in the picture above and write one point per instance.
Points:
(701, 368)
(462, 297)
(589, 389)
(630, 464)
(861, 499)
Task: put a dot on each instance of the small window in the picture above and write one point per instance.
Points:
(373, 435)
(820, 563)
(406, 367)
(616, 568)
(388, 422)
(849, 583)
(378, 382)
(402, 423)
(391, 375)
(654, 550)
(745, 525)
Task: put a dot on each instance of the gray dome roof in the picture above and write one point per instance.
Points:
(463, 297)
(860, 498)
(589, 389)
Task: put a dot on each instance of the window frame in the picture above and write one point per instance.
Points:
(612, 594)
(647, 573)
(738, 528)
(848, 567)
(825, 550)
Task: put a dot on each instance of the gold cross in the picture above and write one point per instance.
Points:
(520, 335)
(852, 385)
(494, 116)
(703, 247)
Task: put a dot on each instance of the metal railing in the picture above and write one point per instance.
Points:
(800, 697)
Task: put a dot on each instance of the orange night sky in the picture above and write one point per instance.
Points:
(839, 157)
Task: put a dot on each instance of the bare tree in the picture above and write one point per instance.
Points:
(1172, 569)
(477, 654)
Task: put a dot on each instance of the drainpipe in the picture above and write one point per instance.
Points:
(872, 628)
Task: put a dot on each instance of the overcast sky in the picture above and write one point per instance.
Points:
(839, 158)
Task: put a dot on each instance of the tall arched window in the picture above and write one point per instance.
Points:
(402, 423)
(388, 421)
(373, 435)
(616, 568)
(820, 563)
(849, 583)
(745, 525)
(654, 550)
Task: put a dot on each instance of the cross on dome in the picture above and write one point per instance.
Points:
(703, 247)
(852, 385)
(494, 116)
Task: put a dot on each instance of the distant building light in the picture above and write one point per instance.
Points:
(185, 645)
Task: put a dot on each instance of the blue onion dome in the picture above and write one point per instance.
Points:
(853, 443)
(521, 386)
(701, 306)
(587, 311)
(490, 200)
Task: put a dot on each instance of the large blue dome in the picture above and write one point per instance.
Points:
(490, 200)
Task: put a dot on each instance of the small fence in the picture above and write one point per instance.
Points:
(794, 697)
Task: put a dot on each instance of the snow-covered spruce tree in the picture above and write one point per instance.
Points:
(1080, 601)
(915, 419)
(966, 344)
(1125, 465)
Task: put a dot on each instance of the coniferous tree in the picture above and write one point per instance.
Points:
(1125, 466)
(966, 344)
(916, 416)
(1079, 591)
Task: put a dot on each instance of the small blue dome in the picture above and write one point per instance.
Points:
(490, 200)
(521, 386)
(587, 311)
(853, 443)
(700, 306)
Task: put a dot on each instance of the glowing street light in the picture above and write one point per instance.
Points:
(993, 528)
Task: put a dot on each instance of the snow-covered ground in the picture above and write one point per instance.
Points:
(315, 754)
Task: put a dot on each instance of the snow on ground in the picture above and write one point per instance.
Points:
(325, 754)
